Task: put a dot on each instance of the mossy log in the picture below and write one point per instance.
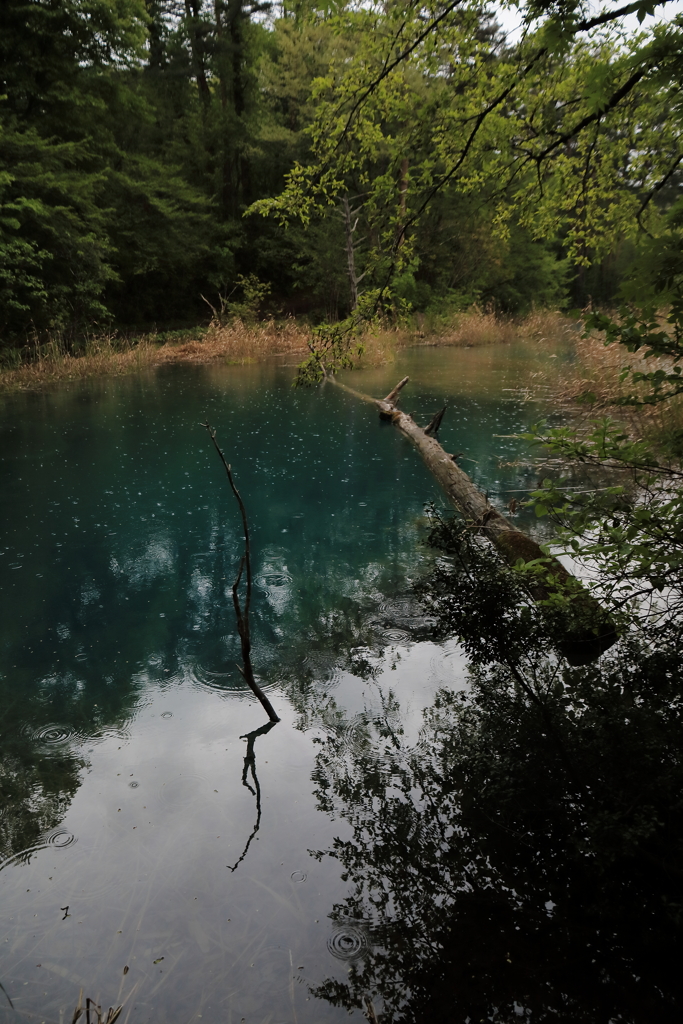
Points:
(591, 630)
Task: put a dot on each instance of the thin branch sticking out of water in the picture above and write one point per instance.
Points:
(93, 1012)
(242, 614)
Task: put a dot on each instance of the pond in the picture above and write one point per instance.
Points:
(159, 843)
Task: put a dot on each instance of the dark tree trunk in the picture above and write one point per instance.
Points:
(194, 27)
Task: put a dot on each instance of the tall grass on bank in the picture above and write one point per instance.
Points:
(594, 383)
(110, 354)
(39, 365)
(238, 342)
(470, 329)
(595, 375)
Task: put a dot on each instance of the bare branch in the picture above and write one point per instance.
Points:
(242, 615)
(660, 184)
(616, 98)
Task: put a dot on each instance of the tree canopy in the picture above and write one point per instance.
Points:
(482, 167)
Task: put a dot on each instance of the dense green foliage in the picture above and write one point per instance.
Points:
(142, 139)
(564, 143)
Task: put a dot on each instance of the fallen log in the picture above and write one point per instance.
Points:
(592, 630)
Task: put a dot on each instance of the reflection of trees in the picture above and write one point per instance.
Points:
(524, 857)
(35, 792)
(39, 770)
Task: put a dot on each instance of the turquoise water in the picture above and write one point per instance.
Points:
(139, 828)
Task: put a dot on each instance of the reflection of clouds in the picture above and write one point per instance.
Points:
(274, 579)
(156, 559)
(200, 596)
(89, 593)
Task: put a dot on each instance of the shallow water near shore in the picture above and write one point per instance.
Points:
(156, 839)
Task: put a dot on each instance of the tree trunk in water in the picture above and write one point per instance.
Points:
(594, 630)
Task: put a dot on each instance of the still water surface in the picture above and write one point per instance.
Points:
(147, 819)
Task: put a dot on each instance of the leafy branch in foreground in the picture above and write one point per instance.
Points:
(568, 133)
(661, 337)
(627, 534)
(335, 347)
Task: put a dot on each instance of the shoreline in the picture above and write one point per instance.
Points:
(238, 343)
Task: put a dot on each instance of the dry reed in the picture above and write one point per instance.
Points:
(596, 373)
(239, 342)
(110, 355)
(106, 355)
(593, 381)
(472, 329)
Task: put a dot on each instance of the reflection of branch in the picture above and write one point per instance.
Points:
(243, 615)
(250, 766)
(6, 995)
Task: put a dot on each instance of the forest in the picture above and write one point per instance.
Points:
(162, 159)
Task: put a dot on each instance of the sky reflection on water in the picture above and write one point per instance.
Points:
(123, 787)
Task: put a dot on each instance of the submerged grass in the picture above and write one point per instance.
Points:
(102, 354)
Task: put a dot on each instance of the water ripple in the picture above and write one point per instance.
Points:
(59, 838)
(206, 677)
(267, 580)
(395, 636)
(51, 734)
(348, 942)
(354, 734)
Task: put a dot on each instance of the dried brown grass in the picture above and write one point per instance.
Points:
(474, 328)
(471, 329)
(239, 342)
(597, 369)
(110, 355)
(594, 380)
(103, 356)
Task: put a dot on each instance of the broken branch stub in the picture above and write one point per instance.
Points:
(392, 397)
(592, 630)
(435, 422)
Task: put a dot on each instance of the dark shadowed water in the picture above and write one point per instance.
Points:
(148, 821)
